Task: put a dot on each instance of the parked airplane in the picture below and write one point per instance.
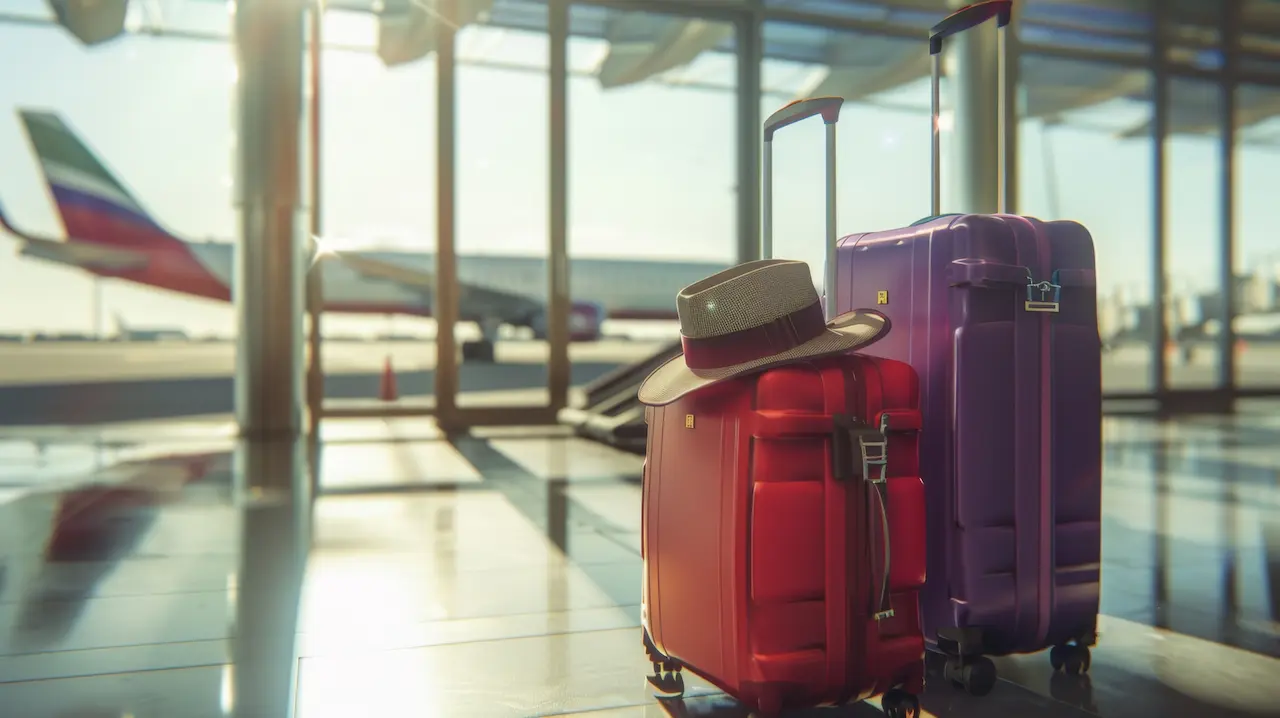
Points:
(126, 333)
(108, 233)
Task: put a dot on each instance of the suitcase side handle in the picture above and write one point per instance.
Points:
(1042, 296)
(789, 114)
(870, 466)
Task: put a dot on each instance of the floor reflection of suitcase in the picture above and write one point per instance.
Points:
(765, 540)
(998, 315)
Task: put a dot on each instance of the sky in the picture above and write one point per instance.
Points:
(651, 167)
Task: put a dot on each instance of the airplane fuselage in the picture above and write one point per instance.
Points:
(624, 289)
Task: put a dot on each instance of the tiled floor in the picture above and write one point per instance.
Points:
(160, 570)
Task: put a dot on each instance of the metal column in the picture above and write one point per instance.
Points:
(1230, 28)
(976, 146)
(315, 270)
(268, 281)
(749, 30)
(445, 306)
(558, 368)
(1159, 130)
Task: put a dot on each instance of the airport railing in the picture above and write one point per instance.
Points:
(609, 411)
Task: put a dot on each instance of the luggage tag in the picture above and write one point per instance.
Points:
(1043, 303)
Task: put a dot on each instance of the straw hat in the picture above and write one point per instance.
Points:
(751, 317)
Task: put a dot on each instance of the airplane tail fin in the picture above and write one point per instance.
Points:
(94, 205)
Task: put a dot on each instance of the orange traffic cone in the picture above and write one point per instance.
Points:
(387, 387)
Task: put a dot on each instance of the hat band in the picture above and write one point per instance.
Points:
(780, 335)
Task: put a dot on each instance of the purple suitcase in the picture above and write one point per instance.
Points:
(998, 315)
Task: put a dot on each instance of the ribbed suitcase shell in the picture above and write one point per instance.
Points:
(1011, 448)
(759, 575)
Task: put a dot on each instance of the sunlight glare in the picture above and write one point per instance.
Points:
(320, 249)
(227, 691)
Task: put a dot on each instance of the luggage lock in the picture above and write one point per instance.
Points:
(1042, 303)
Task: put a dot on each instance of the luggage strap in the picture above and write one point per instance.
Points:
(870, 465)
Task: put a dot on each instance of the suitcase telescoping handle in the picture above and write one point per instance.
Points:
(829, 109)
(870, 464)
(966, 18)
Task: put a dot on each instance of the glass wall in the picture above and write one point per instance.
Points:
(502, 202)
(652, 192)
(378, 208)
(882, 147)
(1085, 155)
(652, 174)
(1193, 206)
(1257, 256)
(101, 148)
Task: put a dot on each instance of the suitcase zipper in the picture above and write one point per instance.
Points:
(1047, 563)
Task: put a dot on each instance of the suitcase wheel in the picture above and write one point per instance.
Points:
(976, 675)
(898, 703)
(770, 704)
(1072, 658)
(667, 678)
(661, 663)
(961, 641)
(667, 684)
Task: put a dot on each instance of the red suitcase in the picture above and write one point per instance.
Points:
(779, 566)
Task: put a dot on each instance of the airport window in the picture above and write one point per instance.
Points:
(389, 221)
(1086, 156)
(652, 159)
(502, 198)
(111, 329)
(1193, 174)
(882, 144)
(1257, 255)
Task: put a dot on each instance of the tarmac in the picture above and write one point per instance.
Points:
(89, 382)
(78, 362)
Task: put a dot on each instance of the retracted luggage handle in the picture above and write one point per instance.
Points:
(789, 114)
(967, 18)
(872, 443)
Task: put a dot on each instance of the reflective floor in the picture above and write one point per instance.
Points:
(160, 570)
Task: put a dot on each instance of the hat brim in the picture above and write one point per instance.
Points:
(846, 332)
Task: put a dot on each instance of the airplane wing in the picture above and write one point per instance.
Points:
(415, 279)
(474, 303)
(84, 256)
